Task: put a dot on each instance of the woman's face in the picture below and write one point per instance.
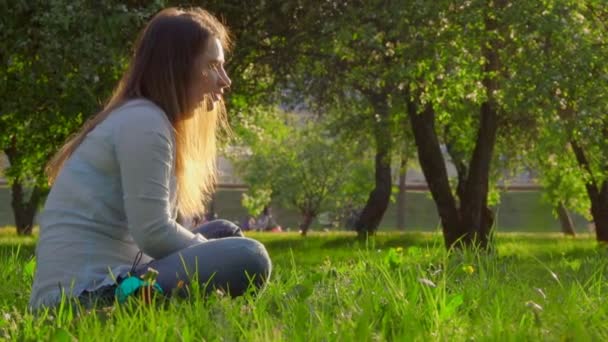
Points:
(212, 78)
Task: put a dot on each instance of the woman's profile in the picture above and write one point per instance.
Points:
(119, 183)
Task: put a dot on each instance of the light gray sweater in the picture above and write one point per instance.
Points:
(114, 197)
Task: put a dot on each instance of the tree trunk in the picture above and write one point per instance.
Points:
(377, 202)
(307, 219)
(477, 218)
(598, 196)
(434, 170)
(469, 225)
(565, 220)
(462, 171)
(472, 223)
(599, 211)
(402, 191)
(24, 209)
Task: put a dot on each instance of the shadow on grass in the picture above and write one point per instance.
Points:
(23, 251)
(549, 246)
(348, 240)
(540, 246)
(577, 253)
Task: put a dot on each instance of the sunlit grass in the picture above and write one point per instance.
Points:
(398, 287)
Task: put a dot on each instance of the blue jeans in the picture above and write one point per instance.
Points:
(227, 261)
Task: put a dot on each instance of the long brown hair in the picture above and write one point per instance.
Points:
(162, 69)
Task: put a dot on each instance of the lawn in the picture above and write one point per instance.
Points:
(399, 286)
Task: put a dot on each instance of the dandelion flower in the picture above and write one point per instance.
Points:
(468, 269)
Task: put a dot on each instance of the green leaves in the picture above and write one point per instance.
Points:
(394, 258)
(59, 61)
(300, 165)
(569, 101)
(255, 200)
(450, 307)
(62, 335)
(28, 271)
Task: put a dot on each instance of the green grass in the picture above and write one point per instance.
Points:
(398, 287)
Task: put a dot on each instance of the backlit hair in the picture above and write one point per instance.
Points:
(162, 69)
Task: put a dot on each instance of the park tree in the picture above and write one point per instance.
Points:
(556, 56)
(346, 71)
(563, 186)
(572, 53)
(554, 59)
(256, 199)
(59, 61)
(304, 167)
(482, 94)
(449, 92)
(376, 63)
(458, 72)
(433, 68)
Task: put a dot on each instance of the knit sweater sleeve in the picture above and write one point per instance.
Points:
(145, 154)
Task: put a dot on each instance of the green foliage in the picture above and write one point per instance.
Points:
(345, 61)
(305, 168)
(563, 62)
(60, 60)
(256, 200)
(562, 181)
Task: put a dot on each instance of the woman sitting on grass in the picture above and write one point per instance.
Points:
(120, 182)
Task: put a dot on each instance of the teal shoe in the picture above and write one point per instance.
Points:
(131, 285)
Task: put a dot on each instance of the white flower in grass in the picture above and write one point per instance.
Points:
(541, 292)
(426, 282)
(554, 275)
(536, 310)
(535, 307)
